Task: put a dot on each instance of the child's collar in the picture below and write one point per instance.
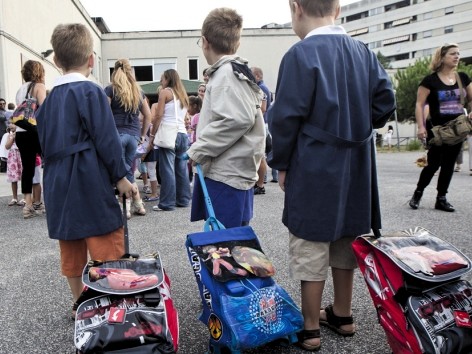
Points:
(331, 29)
(68, 78)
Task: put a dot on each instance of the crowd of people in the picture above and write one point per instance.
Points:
(110, 133)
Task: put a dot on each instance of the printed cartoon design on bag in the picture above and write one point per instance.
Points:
(235, 260)
(215, 327)
(266, 310)
(218, 257)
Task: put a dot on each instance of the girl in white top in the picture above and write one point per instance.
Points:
(171, 109)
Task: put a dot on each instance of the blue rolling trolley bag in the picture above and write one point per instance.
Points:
(243, 307)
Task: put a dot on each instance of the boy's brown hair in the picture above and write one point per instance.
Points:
(222, 29)
(318, 8)
(72, 45)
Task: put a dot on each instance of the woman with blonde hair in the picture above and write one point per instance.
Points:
(28, 140)
(171, 109)
(441, 91)
(127, 100)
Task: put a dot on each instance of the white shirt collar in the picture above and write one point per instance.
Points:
(68, 78)
(331, 29)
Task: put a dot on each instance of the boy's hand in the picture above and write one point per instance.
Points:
(282, 179)
(126, 188)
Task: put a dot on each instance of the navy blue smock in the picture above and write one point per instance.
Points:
(82, 160)
(331, 92)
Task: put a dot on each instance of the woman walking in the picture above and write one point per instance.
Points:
(441, 91)
(171, 109)
(127, 101)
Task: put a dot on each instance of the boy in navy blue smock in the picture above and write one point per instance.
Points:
(82, 160)
(331, 92)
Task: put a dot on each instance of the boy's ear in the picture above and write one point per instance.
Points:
(56, 62)
(296, 8)
(338, 12)
(91, 60)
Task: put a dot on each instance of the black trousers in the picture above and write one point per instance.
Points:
(443, 157)
(28, 144)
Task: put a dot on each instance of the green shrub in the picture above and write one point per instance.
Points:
(414, 145)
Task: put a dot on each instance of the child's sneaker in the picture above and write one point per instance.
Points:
(259, 190)
(29, 212)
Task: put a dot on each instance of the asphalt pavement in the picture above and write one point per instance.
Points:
(35, 300)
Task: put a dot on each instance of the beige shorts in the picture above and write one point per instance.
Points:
(104, 247)
(310, 260)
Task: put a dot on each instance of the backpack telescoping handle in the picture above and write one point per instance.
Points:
(212, 222)
(125, 226)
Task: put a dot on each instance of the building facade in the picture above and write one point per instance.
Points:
(402, 30)
(405, 30)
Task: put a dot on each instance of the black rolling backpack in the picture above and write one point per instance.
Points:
(126, 306)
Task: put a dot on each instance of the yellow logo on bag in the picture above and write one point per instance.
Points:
(215, 327)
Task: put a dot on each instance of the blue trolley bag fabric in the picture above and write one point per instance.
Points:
(246, 312)
(243, 307)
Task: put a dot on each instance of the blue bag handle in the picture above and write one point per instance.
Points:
(212, 223)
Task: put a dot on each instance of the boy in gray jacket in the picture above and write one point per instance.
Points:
(230, 133)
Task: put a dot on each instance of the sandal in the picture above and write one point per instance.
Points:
(74, 311)
(21, 203)
(334, 322)
(13, 202)
(150, 199)
(308, 334)
(138, 207)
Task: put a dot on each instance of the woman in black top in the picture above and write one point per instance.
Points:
(440, 90)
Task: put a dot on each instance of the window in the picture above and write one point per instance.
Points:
(357, 16)
(427, 34)
(143, 73)
(448, 29)
(376, 11)
(148, 69)
(395, 40)
(402, 21)
(428, 52)
(427, 15)
(358, 32)
(449, 10)
(161, 65)
(388, 24)
(193, 69)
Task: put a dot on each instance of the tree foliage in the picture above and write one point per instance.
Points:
(407, 82)
(383, 60)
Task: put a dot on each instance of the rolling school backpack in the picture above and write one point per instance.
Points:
(126, 307)
(414, 279)
(243, 307)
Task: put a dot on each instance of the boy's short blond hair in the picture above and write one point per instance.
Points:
(72, 45)
(222, 29)
(318, 8)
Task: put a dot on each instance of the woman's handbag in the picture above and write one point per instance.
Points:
(167, 132)
(456, 130)
(453, 132)
(24, 114)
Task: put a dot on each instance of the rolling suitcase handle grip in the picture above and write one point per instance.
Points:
(125, 226)
(212, 222)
